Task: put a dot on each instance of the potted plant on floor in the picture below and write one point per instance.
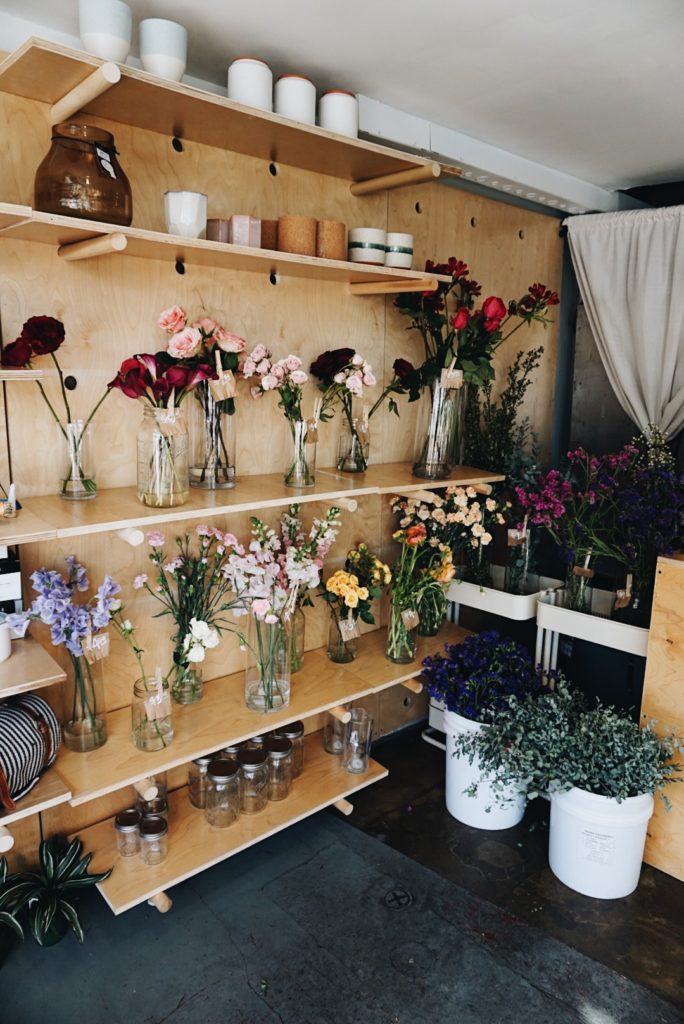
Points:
(601, 772)
(475, 680)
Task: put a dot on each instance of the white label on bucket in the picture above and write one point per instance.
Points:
(597, 847)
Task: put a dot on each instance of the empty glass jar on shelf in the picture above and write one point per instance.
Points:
(127, 825)
(223, 793)
(294, 732)
(153, 840)
(253, 780)
(279, 751)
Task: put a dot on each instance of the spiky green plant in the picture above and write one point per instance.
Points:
(7, 917)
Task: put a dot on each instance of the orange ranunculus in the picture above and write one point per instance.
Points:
(415, 535)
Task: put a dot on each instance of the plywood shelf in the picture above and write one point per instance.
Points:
(29, 667)
(49, 791)
(221, 717)
(119, 508)
(46, 72)
(194, 845)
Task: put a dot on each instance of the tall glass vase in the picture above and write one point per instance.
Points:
(187, 686)
(401, 640)
(77, 481)
(302, 471)
(212, 440)
(577, 593)
(163, 478)
(85, 723)
(267, 675)
(353, 448)
(439, 431)
(431, 608)
(341, 650)
(297, 630)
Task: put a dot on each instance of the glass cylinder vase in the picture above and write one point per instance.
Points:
(85, 723)
(439, 431)
(187, 686)
(431, 608)
(516, 578)
(267, 675)
(302, 471)
(401, 640)
(297, 630)
(340, 650)
(577, 594)
(353, 448)
(163, 477)
(77, 481)
(151, 725)
(212, 440)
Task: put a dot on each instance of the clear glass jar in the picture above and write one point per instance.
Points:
(255, 742)
(279, 750)
(333, 734)
(157, 808)
(357, 740)
(85, 720)
(187, 686)
(302, 464)
(438, 431)
(294, 732)
(81, 177)
(127, 824)
(163, 473)
(150, 787)
(212, 439)
(353, 447)
(223, 793)
(340, 650)
(253, 780)
(153, 840)
(151, 725)
(197, 781)
(77, 481)
(267, 675)
(233, 749)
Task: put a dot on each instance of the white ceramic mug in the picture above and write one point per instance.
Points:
(399, 250)
(5, 642)
(186, 214)
(105, 27)
(250, 81)
(163, 48)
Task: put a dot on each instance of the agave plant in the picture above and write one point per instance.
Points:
(7, 917)
(44, 892)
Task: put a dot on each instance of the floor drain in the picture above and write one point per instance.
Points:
(397, 899)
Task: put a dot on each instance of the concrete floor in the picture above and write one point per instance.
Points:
(324, 924)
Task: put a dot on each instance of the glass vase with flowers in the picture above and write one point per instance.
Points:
(349, 594)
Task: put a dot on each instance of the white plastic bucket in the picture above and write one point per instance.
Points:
(481, 810)
(596, 845)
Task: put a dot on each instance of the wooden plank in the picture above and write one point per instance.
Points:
(44, 71)
(663, 700)
(11, 214)
(221, 717)
(29, 667)
(194, 845)
(25, 528)
(396, 478)
(49, 791)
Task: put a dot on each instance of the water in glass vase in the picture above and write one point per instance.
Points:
(85, 725)
(401, 640)
(187, 686)
(302, 471)
(151, 724)
(353, 449)
(438, 431)
(212, 437)
(163, 476)
(267, 675)
(77, 481)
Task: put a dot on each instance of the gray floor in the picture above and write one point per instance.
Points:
(319, 925)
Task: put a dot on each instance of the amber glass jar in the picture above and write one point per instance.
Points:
(81, 177)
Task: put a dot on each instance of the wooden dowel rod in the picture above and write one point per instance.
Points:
(349, 504)
(161, 902)
(90, 88)
(343, 806)
(393, 287)
(414, 685)
(131, 535)
(89, 247)
(428, 172)
(481, 488)
(147, 789)
(6, 839)
(341, 714)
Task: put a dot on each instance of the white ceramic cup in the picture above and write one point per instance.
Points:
(250, 81)
(338, 111)
(367, 245)
(163, 48)
(186, 214)
(399, 250)
(105, 27)
(5, 642)
(295, 97)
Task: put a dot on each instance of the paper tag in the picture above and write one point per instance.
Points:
(623, 598)
(157, 705)
(169, 422)
(579, 570)
(95, 648)
(311, 431)
(9, 511)
(349, 629)
(224, 387)
(410, 618)
(104, 162)
(516, 538)
(451, 378)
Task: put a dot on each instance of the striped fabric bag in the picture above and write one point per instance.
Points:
(29, 740)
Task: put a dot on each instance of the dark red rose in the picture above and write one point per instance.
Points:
(17, 353)
(325, 366)
(493, 308)
(43, 333)
(461, 319)
(403, 370)
(491, 325)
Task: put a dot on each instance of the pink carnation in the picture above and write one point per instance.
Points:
(172, 320)
(140, 581)
(261, 607)
(155, 538)
(229, 342)
(185, 344)
(263, 366)
(255, 392)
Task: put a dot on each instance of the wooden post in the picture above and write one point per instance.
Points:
(161, 902)
(349, 504)
(480, 488)
(341, 714)
(413, 176)
(414, 685)
(343, 806)
(420, 284)
(131, 535)
(99, 246)
(102, 78)
(147, 789)
(6, 839)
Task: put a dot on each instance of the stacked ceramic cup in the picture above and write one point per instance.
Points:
(106, 30)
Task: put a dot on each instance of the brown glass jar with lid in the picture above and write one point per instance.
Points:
(81, 176)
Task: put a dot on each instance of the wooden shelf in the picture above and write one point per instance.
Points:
(221, 717)
(194, 845)
(29, 667)
(45, 71)
(49, 791)
(50, 517)
(11, 214)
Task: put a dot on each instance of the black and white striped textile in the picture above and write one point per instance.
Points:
(29, 741)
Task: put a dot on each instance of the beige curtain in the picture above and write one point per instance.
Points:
(630, 270)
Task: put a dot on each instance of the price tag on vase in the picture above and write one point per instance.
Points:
(95, 648)
(311, 431)
(223, 387)
(349, 629)
(410, 618)
(157, 705)
(451, 379)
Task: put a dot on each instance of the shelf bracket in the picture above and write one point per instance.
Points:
(341, 713)
(413, 176)
(348, 504)
(161, 902)
(414, 685)
(419, 284)
(343, 806)
(131, 535)
(102, 78)
(6, 839)
(89, 247)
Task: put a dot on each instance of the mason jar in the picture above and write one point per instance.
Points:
(126, 824)
(163, 470)
(157, 808)
(253, 780)
(279, 752)
(232, 750)
(153, 840)
(256, 742)
(223, 793)
(294, 732)
(197, 781)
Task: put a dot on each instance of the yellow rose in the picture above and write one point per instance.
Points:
(363, 593)
(351, 600)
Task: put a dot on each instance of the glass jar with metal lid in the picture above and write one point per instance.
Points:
(197, 780)
(294, 732)
(223, 793)
(256, 742)
(279, 750)
(232, 750)
(157, 808)
(153, 840)
(253, 780)
(126, 824)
